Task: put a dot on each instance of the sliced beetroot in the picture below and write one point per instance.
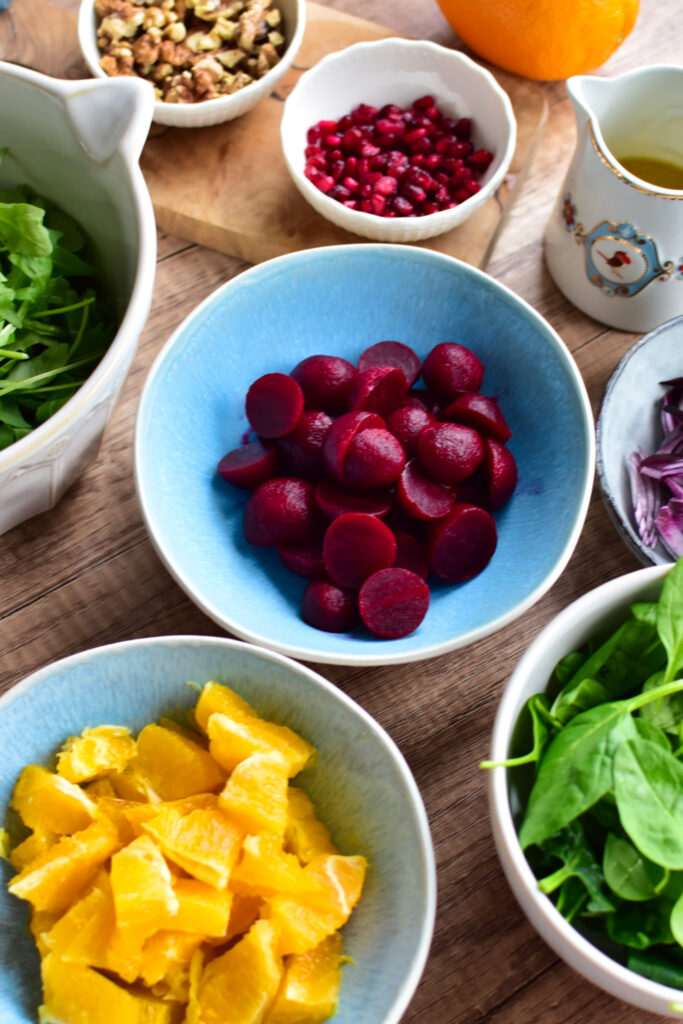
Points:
(406, 423)
(420, 497)
(340, 435)
(392, 353)
(248, 466)
(328, 607)
(410, 554)
(334, 500)
(379, 389)
(462, 543)
(393, 602)
(451, 369)
(325, 382)
(449, 452)
(354, 546)
(304, 559)
(274, 404)
(280, 513)
(374, 458)
(500, 471)
(478, 411)
(302, 449)
(421, 399)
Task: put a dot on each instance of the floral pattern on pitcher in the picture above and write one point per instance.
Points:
(568, 212)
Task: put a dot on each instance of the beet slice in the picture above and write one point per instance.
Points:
(248, 466)
(274, 404)
(462, 543)
(374, 458)
(421, 399)
(280, 513)
(450, 369)
(354, 546)
(304, 559)
(449, 452)
(406, 423)
(328, 607)
(393, 602)
(302, 449)
(334, 500)
(478, 411)
(500, 471)
(325, 382)
(391, 353)
(410, 554)
(340, 435)
(420, 497)
(380, 389)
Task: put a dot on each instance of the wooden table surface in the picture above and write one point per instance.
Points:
(85, 574)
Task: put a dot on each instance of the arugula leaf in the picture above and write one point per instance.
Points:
(648, 787)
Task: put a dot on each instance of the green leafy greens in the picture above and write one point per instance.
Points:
(602, 787)
(53, 327)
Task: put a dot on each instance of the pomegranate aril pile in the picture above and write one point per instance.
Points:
(365, 487)
(393, 162)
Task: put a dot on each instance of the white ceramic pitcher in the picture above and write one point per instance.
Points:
(614, 242)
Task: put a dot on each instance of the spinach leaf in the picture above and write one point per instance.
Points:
(648, 787)
(22, 229)
(665, 713)
(572, 897)
(578, 861)
(628, 874)
(656, 968)
(650, 731)
(537, 706)
(586, 694)
(576, 770)
(670, 620)
(645, 611)
(641, 925)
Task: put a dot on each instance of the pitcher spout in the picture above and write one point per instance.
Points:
(590, 97)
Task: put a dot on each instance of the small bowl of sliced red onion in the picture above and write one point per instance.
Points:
(397, 140)
(640, 445)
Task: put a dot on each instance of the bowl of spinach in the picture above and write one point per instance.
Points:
(586, 786)
(77, 259)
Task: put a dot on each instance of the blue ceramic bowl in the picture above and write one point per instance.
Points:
(629, 419)
(339, 300)
(360, 783)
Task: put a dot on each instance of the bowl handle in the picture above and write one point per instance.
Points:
(111, 116)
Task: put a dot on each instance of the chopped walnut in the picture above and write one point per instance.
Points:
(145, 50)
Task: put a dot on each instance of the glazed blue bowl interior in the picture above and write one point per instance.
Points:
(360, 784)
(340, 300)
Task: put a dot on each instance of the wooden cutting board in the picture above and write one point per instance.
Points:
(227, 186)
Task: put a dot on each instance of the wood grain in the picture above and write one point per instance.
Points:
(86, 574)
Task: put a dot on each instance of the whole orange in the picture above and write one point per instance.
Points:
(544, 39)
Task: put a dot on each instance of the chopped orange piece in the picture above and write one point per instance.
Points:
(164, 951)
(132, 785)
(106, 748)
(42, 922)
(217, 698)
(233, 740)
(239, 986)
(243, 912)
(310, 988)
(49, 803)
(202, 909)
(305, 835)
(255, 795)
(73, 994)
(204, 843)
(175, 765)
(141, 885)
(99, 788)
(32, 847)
(137, 814)
(56, 878)
(265, 868)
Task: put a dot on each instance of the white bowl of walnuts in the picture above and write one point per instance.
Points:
(208, 60)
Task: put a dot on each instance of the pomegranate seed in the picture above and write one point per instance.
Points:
(451, 164)
(327, 127)
(389, 213)
(447, 125)
(480, 160)
(391, 110)
(363, 167)
(313, 135)
(460, 149)
(335, 154)
(414, 135)
(368, 149)
(323, 182)
(432, 113)
(461, 175)
(331, 141)
(352, 139)
(378, 163)
(430, 207)
(442, 178)
(313, 151)
(317, 161)
(462, 195)
(442, 196)
(423, 103)
(433, 161)
(413, 193)
(351, 184)
(387, 126)
(351, 166)
(350, 204)
(378, 205)
(441, 145)
(386, 186)
(366, 206)
(345, 123)
(463, 128)
(370, 178)
(339, 192)
(336, 169)
(364, 114)
(418, 159)
(403, 207)
(416, 176)
(472, 187)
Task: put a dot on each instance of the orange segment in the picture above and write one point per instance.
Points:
(137, 814)
(175, 765)
(49, 803)
(255, 795)
(56, 878)
(265, 869)
(73, 994)
(216, 698)
(243, 912)
(42, 922)
(32, 847)
(310, 988)
(131, 784)
(231, 741)
(305, 835)
(202, 909)
(166, 951)
(203, 842)
(106, 748)
(239, 986)
(141, 886)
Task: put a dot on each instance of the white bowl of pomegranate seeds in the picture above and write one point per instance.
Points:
(397, 140)
(364, 454)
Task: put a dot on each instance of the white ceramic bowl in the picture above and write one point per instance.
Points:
(599, 610)
(223, 108)
(399, 71)
(78, 143)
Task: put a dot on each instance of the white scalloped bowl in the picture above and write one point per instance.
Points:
(223, 108)
(398, 71)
